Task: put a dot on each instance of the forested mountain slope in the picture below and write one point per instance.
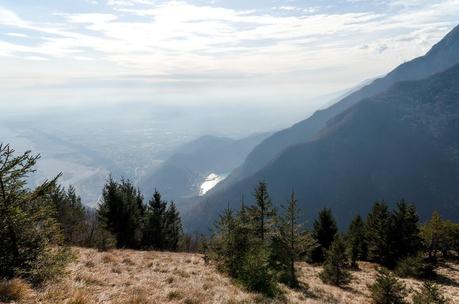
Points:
(403, 143)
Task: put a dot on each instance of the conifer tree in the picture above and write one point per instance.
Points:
(173, 227)
(223, 247)
(378, 234)
(429, 294)
(356, 243)
(121, 212)
(387, 289)
(335, 267)
(155, 223)
(324, 232)
(288, 245)
(433, 235)
(71, 215)
(263, 212)
(29, 231)
(405, 237)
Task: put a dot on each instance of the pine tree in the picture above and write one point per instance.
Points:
(121, 212)
(378, 234)
(433, 235)
(335, 267)
(324, 232)
(405, 237)
(429, 294)
(29, 233)
(288, 245)
(71, 215)
(263, 212)
(173, 228)
(223, 248)
(356, 243)
(155, 223)
(387, 289)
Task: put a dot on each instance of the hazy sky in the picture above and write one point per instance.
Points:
(86, 51)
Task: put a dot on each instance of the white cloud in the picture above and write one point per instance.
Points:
(19, 35)
(177, 41)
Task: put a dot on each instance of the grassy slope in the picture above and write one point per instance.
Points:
(126, 276)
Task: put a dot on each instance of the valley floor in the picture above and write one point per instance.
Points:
(136, 277)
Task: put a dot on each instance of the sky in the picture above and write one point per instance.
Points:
(74, 52)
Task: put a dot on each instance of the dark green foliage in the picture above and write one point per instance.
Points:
(433, 235)
(387, 289)
(155, 223)
(392, 236)
(416, 267)
(104, 240)
(288, 244)
(71, 215)
(223, 249)
(29, 232)
(121, 212)
(429, 294)
(243, 245)
(232, 241)
(263, 214)
(123, 215)
(440, 236)
(405, 239)
(324, 233)
(336, 263)
(173, 228)
(378, 234)
(256, 273)
(356, 242)
(452, 231)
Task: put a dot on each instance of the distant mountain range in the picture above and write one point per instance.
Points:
(182, 175)
(394, 138)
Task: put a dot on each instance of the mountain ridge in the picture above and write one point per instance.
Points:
(402, 143)
(441, 56)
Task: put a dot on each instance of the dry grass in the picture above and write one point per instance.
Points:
(136, 277)
(14, 290)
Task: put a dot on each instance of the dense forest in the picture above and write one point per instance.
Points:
(256, 245)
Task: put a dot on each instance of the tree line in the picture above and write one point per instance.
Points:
(258, 246)
(38, 225)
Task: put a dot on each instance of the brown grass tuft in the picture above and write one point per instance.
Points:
(90, 264)
(79, 297)
(14, 290)
(174, 295)
(128, 261)
(109, 258)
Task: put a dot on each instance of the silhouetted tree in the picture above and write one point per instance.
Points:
(71, 215)
(263, 212)
(405, 237)
(155, 223)
(324, 232)
(378, 234)
(173, 228)
(356, 243)
(288, 244)
(121, 212)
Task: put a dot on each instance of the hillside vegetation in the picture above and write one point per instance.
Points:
(128, 276)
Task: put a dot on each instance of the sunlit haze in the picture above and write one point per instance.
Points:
(198, 52)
